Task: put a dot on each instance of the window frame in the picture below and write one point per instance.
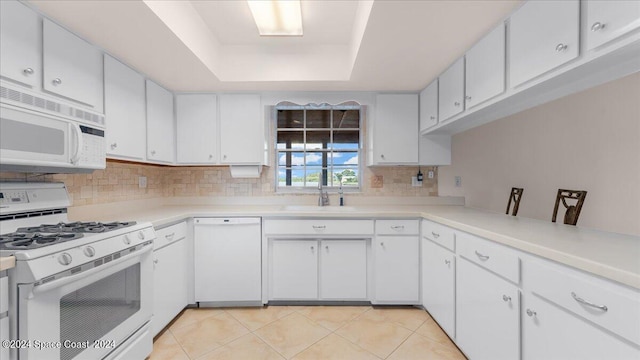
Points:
(330, 166)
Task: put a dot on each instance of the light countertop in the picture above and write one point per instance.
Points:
(609, 255)
(7, 262)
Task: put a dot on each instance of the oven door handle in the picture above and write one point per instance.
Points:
(69, 279)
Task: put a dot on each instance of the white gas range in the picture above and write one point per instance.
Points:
(78, 290)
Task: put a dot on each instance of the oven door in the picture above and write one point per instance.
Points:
(89, 314)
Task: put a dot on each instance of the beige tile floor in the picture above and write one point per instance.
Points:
(304, 332)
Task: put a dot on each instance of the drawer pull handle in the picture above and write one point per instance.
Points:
(447, 262)
(169, 237)
(482, 257)
(398, 227)
(506, 298)
(435, 235)
(531, 313)
(588, 303)
(319, 227)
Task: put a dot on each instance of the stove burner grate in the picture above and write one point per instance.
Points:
(22, 241)
(77, 227)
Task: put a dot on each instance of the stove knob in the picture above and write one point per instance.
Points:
(64, 259)
(126, 240)
(141, 235)
(89, 251)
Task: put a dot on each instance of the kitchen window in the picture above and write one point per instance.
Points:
(317, 143)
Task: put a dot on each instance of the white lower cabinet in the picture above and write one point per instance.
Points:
(4, 335)
(227, 253)
(396, 270)
(438, 284)
(343, 269)
(551, 333)
(487, 314)
(169, 283)
(293, 270)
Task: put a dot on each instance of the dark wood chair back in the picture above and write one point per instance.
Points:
(515, 196)
(572, 211)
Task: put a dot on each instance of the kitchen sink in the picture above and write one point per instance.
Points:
(312, 208)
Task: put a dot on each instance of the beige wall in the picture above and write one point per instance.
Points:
(586, 141)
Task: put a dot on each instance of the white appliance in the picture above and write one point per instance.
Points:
(80, 290)
(228, 258)
(41, 134)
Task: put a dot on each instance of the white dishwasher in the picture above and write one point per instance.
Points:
(228, 261)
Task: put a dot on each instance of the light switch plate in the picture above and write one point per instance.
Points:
(458, 181)
(142, 182)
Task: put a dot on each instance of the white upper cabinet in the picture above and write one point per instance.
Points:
(543, 36)
(124, 103)
(20, 43)
(72, 66)
(607, 20)
(429, 106)
(395, 131)
(451, 92)
(196, 130)
(485, 68)
(242, 139)
(160, 130)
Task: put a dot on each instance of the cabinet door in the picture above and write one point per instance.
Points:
(124, 105)
(429, 106)
(228, 262)
(395, 131)
(170, 284)
(607, 20)
(242, 137)
(160, 130)
(20, 43)
(438, 284)
(4, 335)
(487, 314)
(550, 333)
(543, 36)
(451, 92)
(196, 130)
(485, 68)
(294, 270)
(396, 269)
(343, 269)
(72, 66)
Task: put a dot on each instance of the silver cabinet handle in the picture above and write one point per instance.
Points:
(169, 237)
(506, 298)
(155, 261)
(468, 97)
(597, 26)
(327, 247)
(531, 313)
(435, 235)
(140, 235)
(398, 227)
(588, 303)
(561, 47)
(28, 71)
(382, 243)
(312, 248)
(382, 156)
(432, 117)
(482, 257)
(224, 156)
(57, 81)
(319, 227)
(153, 152)
(210, 156)
(447, 262)
(456, 104)
(114, 145)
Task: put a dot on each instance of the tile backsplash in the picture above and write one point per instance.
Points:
(119, 182)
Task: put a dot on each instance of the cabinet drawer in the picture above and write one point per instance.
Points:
(170, 234)
(4, 294)
(397, 227)
(319, 226)
(439, 234)
(493, 257)
(611, 306)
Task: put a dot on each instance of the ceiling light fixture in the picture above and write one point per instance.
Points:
(277, 17)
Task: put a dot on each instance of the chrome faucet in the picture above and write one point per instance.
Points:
(323, 198)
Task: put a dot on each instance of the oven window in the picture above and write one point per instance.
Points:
(91, 312)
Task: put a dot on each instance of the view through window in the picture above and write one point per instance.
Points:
(318, 143)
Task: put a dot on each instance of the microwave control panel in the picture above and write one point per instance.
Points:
(13, 197)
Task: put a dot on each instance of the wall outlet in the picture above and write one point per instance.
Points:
(415, 182)
(142, 182)
(458, 181)
(430, 174)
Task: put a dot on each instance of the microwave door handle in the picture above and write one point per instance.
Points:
(78, 143)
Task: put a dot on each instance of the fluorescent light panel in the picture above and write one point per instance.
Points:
(277, 17)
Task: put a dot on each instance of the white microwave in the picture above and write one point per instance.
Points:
(34, 141)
